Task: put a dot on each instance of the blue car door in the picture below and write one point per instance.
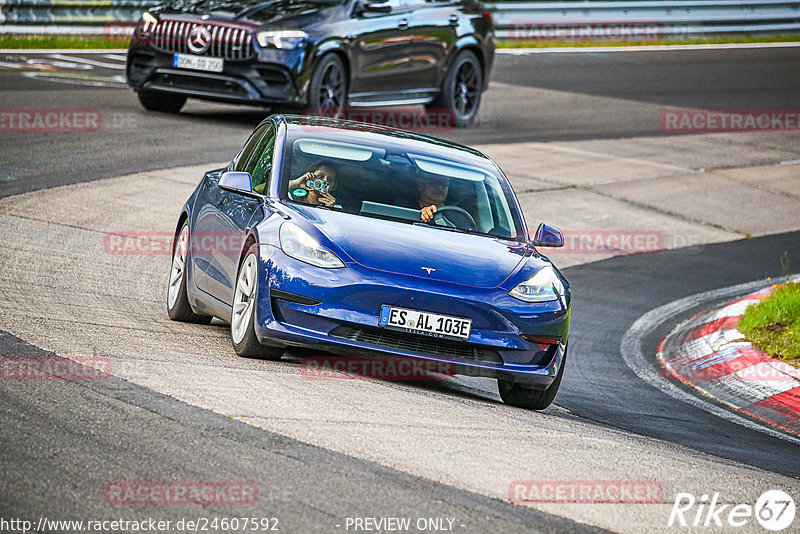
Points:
(225, 217)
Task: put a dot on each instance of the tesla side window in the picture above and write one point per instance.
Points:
(249, 147)
(259, 164)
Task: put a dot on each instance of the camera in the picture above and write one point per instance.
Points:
(318, 184)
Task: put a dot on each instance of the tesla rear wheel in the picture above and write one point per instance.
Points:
(531, 399)
(178, 307)
(461, 91)
(243, 334)
(163, 102)
(327, 92)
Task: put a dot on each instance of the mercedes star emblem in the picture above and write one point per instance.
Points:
(199, 39)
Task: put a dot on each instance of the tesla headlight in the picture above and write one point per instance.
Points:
(542, 287)
(147, 24)
(283, 39)
(301, 246)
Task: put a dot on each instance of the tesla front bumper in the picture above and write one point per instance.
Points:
(338, 310)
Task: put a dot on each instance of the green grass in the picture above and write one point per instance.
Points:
(778, 38)
(773, 324)
(62, 41)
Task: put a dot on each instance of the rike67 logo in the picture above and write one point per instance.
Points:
(774, 510)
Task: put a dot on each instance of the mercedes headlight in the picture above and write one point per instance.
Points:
(283, 39)
(544, 286)
(147, 24)
(301, 246)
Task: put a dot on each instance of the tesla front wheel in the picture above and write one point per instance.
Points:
(531, 399)
(178, 307)
(243, 334)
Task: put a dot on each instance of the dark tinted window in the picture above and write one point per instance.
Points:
(250, 146)
(259, 164)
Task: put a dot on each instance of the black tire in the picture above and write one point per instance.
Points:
(178, 307)
(461, 91)
(249, 346)
(530, 399)
(162, 102)
(327, 92)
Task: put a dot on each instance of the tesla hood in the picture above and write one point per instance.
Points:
(420, 250)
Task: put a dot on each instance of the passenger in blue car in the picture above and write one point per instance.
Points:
(316, 185)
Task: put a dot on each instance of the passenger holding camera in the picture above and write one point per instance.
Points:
(315, 187)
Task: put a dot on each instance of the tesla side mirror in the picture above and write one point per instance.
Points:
(238, 182)
(548, 236)
(369, 6)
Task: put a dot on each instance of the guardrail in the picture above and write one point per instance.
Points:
(576, 19)
(643, 19)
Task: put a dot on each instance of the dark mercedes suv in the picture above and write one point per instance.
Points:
(321, 55)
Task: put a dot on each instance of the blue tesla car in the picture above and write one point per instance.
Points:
(361, 239)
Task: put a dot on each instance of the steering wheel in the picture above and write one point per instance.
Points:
(438, 216)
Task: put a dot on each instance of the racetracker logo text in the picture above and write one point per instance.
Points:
(50, 120)
(586, 491)
(608, 30)
(179, 493)
(382, 368)
(55, 368)
(682, 121)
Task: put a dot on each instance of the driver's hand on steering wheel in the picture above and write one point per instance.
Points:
(427, 213)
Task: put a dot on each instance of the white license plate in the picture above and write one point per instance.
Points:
(421, 322)
(185, 61)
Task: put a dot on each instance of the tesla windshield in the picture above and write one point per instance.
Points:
(397, 182)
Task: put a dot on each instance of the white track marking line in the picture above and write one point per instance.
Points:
(632, 353)
(89, 62)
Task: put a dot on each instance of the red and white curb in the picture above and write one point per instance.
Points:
(709, 354)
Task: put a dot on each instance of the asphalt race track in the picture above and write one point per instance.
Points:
(183, 407)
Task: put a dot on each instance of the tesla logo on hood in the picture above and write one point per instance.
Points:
(199, 39)
(428, 269)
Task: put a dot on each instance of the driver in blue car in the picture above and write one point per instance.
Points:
(316, 185)
(433, 192)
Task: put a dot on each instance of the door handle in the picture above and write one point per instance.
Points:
(402, 23)
(453, 19)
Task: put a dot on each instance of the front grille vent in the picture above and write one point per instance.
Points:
(227, 42)
(418, 344)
